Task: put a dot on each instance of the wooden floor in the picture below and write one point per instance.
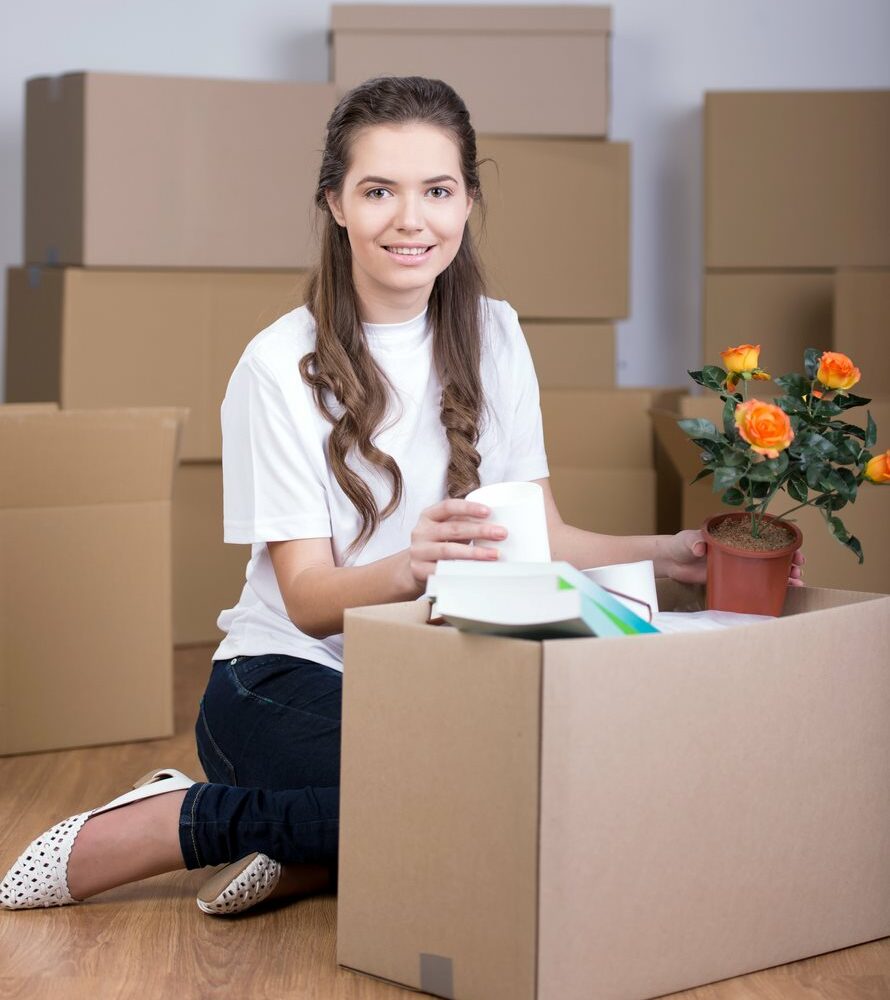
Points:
(149, 940)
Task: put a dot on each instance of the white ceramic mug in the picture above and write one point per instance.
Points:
(519, 507)
(631, 583)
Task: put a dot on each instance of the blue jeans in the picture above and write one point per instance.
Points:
(268, 736)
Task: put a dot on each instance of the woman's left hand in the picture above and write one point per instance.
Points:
(684, 558)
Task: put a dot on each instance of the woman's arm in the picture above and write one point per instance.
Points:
(316, 592)
(680, 556)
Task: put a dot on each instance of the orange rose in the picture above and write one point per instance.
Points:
(878, 469)
(837, 371)
(765, 427)
(740, 359)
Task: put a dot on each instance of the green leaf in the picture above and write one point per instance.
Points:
(871, 432)
(811, 361)
(729, 427)
(814, 473)
(797, 488)
(813, 445)
(733, 497)
(792, 404)
(836, 527)
(713, 377)
(696, 376)
(853, 429)
(770, 469)
(702, 475)
(793, 384)
(725, 477)
(700, 429)
(848, 401)
(827, 408)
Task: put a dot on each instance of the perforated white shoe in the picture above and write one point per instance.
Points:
(40, 875)
(239, 885)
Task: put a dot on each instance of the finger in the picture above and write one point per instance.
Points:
(457, 550)
(799, 558)
(466, 530)
(795, 573)
(699, 548)
(795, 582)
(453, 507)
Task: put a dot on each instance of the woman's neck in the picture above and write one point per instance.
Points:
(386, 306)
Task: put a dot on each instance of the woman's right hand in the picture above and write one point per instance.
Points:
(443, 532)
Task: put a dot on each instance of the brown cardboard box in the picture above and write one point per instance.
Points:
(572, 355)
(612, 818)
(797, 179)
(602, 428)
(85, 628)
(556, 257)
(828, 563)
(600, 450)
(521, 70)
(785, 312)
(153, 171)
(100, 338)
(208, 574)
(606, 500)
(862, 324)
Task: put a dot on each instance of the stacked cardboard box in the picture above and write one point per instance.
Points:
(85, 626)
(139, 191)
(795, 188)
(797, 251)
(536, 82)
(600, 448)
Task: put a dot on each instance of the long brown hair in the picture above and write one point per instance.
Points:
(341, 363)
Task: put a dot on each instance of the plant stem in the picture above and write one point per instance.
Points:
(806, 503)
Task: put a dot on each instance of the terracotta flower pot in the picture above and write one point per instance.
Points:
(745, 580)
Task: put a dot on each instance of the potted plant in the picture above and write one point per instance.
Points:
(800, 445)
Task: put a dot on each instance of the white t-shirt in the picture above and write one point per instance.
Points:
(277, 484)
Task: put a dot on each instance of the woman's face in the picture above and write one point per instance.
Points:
(404, 205)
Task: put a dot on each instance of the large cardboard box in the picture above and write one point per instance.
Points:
(102, 338)
(85, 624)
(862, 323)
(154, 171)
(606, 500)
(603, 428)
(208, 574)
(783, 311)
(612, 818)
(572, 354)
(556, 257)
(797, 179)
(521, 70)
(828, 563)
(600, 451)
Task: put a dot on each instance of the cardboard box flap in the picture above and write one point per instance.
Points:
(79, 457)
(474, 18)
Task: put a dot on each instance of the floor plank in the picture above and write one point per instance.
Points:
(149, 940)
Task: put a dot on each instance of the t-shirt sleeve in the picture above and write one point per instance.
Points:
(528, 458)
(273, 463)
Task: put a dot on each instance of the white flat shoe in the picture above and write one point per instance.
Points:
(40, 876)
(239, 885)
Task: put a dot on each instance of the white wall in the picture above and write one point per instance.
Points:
(665, 55)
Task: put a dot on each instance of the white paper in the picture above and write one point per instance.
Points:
(633, 584)
(703, 621)
(519, 507)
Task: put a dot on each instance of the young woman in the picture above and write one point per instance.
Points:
(352, 428)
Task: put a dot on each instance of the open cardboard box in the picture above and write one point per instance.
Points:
(86, 651)
(612, 818)
(828, 563)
